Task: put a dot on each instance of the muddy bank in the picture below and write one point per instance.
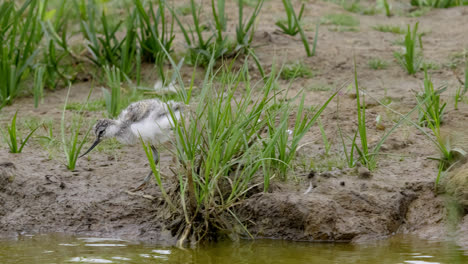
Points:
(40, 196)
(346, 209)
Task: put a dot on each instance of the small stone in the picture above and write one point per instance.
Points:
(7, 164)
(311, 174)
(7, 173)
(364, 187)
(384, 147)
(364, 173)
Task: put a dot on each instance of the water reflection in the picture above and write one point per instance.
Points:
(64, 249)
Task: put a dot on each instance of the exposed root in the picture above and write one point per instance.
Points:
(146, 196)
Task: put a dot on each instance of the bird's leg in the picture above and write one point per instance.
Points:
(147, 178)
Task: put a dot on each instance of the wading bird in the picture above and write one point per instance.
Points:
(149, 119)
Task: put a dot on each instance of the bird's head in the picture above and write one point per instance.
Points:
(104, 128)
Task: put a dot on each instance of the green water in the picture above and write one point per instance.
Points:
(65, 249)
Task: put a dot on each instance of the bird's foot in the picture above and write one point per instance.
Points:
(139, 187)
(145, 182)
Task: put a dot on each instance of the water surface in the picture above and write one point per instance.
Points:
(41, 249)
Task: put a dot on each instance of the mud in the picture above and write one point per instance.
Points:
(39, 195)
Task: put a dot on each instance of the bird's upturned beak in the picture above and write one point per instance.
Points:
(96, 142)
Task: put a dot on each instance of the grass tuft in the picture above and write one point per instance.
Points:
(410, 60)
(389, 29)
(20, 35)
(341, 20)
(71, 145)
(296, 70)
(431, 111)
(230, 145)
(367, 156)
(112, 99)
(439, 3)
(289, 26)
(377, 64)
(387, 7)
(245, 29)
(12, 137)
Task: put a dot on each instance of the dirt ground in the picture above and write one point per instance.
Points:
(38, 193)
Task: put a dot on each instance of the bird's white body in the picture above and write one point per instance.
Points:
(149, 119)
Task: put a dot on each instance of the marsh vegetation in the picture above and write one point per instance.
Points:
(281, 96)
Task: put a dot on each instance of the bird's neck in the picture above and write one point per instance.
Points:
(114, 128)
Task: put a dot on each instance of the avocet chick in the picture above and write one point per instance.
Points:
(149, 119)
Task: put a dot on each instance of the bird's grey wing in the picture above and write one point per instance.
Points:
(135, 112)
(163, 110)
(141, 110)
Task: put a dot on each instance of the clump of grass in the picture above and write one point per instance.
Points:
(341, 20)
(455, 60)
(465, 84)
(305, 42)
(93, 105)
(58, 59)
(410, 60)
(156, 33)
(230, 149)
(185, 9)
(20, 38)
(286, 140)
(101, 50)
(432, 108)
(430, 65)
(389, 28)
(344, 22)
(296, 70)
(12, 137)
(70, 143)
(112, 99)
(201, 48)
(356, 7)
(319, 87)
(365, 155)
(119, 94)
(109, 49)
(398, 42)
(439, 3)
(421, 11)
(377, 64)
(157, 175)
(387, 8)
(38, 88)
(227, 74)
(325, 140)
(289, 26)
(245, 29)
(325, 163)
(458, 97)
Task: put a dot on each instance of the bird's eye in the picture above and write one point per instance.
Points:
(101, 133)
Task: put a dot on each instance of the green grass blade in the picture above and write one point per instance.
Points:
(24, 141)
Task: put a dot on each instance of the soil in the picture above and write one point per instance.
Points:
(38, 194)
